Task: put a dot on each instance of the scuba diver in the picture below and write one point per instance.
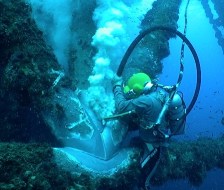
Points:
(143, 101)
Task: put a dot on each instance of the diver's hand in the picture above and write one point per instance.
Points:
(116, 81)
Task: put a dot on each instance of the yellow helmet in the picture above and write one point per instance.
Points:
(136, 84)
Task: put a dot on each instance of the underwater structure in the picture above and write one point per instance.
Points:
(32, 166)
(40, 103)
(216, 18)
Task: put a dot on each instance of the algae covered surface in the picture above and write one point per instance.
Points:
(32, 166)
(190, 160)
(29, 166)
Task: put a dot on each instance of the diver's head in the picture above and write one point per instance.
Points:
(137, 84)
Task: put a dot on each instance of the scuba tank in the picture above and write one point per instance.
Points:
(176, 115)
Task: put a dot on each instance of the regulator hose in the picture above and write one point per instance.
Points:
(179, 34)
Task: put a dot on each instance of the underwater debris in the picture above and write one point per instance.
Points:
(59, 74)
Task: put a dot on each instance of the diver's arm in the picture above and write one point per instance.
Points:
(121, 103)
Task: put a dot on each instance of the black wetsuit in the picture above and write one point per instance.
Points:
(147, 107)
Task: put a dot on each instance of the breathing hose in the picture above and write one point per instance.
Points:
(186, 41)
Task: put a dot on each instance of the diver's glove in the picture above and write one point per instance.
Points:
(116, 81)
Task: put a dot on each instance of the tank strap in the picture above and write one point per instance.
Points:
(161, 95)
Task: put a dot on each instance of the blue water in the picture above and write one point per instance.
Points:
(205, 117)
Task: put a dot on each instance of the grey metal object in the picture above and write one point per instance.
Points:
(76, 126)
